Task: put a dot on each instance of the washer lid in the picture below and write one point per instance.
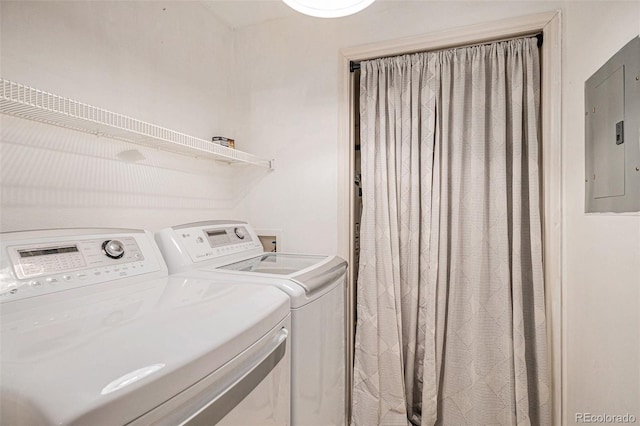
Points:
(310, 272)
(275, 263)
(122, 349)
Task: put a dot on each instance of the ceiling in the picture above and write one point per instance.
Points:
(243, 13)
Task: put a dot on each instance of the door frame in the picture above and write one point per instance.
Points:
(549, 24)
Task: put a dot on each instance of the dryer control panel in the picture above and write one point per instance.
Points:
(41, 262)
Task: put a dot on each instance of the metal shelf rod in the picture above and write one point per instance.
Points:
(32, 104)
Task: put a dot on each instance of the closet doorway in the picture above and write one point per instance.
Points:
(349, 200)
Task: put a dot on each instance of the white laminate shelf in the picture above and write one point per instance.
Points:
(32, 104)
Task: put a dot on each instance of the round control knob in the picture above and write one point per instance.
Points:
(239, 233)
(113, 248)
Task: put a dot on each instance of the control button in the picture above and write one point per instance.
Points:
(113, 249)
(239, 233)
(35, 283)
(200, 240)
(137, 256)
(67, 277)
(81, 276)
(51, 280)
(97, 273)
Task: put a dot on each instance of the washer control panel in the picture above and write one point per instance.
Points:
(40, 262)
(209, 242)
(206, 241)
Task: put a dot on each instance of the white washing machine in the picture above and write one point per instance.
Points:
(93, 332)
(316, 286)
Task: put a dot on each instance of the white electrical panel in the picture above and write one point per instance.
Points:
(612, 130)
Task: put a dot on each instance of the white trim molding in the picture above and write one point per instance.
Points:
(549, 24)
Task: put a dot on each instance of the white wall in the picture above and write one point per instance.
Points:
(168, 63)
(288, 92)
(276, 91)
(288, 80)
(601, 252)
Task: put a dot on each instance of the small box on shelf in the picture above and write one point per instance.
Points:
(224, 141)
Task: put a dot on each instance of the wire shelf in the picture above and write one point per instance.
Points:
(32, 104)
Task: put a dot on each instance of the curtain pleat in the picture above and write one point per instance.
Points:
(451, 322)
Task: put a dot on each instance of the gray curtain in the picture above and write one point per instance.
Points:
(451, 320)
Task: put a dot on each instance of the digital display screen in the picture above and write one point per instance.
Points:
(47, 251)
(217, 237)
(216, 232)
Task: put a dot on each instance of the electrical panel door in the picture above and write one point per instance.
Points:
(612, 129)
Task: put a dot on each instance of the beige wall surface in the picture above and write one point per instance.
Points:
(274, 86)
(288, 96)
(601, 251)
(161, 62)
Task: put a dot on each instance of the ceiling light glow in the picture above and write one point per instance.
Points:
(328, 8)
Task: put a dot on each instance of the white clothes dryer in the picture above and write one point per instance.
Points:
(94, 332)
(316, 287)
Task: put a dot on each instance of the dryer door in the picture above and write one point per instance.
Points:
(251, 389)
